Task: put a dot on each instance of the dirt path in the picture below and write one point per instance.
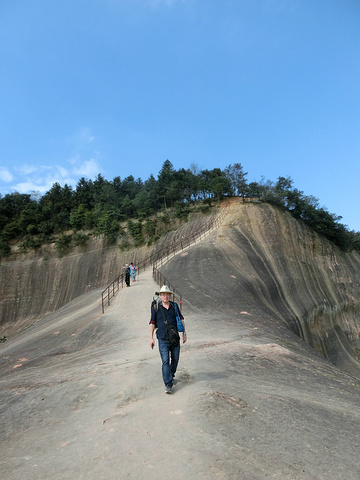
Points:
(82, 398)
(83, 393)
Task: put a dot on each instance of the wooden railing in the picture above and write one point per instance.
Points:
(111, 290)
(161, 280)
(162, 256)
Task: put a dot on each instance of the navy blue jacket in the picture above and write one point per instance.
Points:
(158, 320)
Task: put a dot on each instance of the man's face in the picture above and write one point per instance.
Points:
(165, 297)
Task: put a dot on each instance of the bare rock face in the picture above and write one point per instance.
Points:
(83, 392)
(36, 285)
(265, 264)
(260, 262)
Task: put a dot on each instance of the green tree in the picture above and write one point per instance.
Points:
(131, 187)
(11, 206)
(11, 231)
(56, 206)
(30, 216)
(62, 244)
(135, 230)
(4, 247)
(219, 184)
(127, 209)
(84, 194)
(235, 173)
(205, 177)
(151, 187)
(78, 218)
(107, 222)
(80, 239)
(255, 189)
(142, 204)
(150, 230)
(168, 188)
(187, 185)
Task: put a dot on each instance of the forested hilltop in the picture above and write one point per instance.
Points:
(120, 209)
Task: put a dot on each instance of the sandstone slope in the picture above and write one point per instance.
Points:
(81, 394)
(81, 397)
(263, 261)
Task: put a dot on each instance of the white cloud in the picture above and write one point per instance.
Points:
(62, 171)
(27, 187)
(26, 169)
(40, 178)
(6, 175)
(29, 178)
(89, 168)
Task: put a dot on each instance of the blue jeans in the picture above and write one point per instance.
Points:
(170, 359)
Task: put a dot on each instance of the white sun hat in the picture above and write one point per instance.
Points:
(165, 289)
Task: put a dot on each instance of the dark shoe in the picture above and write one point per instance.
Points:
(168, 390)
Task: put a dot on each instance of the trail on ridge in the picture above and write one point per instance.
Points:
(82, 395)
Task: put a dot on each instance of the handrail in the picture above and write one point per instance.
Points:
(111, 290)
(162, 256)
(161, 280)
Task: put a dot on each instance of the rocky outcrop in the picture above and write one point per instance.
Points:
(262, 263)
(35, 285)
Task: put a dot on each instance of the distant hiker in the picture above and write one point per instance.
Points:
(127, 275)
(161, 318)
(132, 271)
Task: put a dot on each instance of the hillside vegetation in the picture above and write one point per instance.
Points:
(131, 211)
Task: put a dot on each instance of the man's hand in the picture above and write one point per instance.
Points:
(184, 337)
(152, 330)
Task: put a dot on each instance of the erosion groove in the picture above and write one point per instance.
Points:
(81, 394)
(263, 261)
(261, 257)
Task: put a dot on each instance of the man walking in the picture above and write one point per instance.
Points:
(170, 354)
(127, 275)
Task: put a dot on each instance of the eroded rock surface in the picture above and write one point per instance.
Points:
(81, 394)
(264, 262)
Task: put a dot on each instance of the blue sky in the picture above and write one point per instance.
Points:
(119, 86)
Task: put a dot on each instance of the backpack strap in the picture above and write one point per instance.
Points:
(163, 314)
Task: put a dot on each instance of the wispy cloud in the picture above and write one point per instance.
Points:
(5, 175)
(88, 168)
(25, 169)
(28, 187)
(40, 177)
